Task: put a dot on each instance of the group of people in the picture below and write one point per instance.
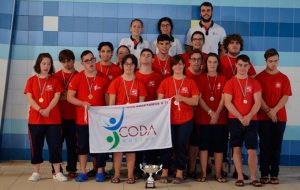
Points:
(215, 93)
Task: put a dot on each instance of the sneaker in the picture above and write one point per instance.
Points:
(60, 177)
(34, 177)
(81, 177)
(100, 177)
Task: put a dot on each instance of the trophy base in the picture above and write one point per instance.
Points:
(150, 185)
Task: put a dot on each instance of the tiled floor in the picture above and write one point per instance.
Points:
(14, 175)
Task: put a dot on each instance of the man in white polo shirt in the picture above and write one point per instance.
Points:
(214, 33)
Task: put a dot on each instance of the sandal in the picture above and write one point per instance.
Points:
(163, 179)
(130, 181)
(115, 180)
(177, 180)
(221, 179)
(264, 180)
(274, 180)
(201, 179)
(239, 183)
(256, 183)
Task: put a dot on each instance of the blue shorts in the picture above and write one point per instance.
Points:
(240, 134)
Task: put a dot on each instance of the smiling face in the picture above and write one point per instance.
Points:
(105, 53)
(197, 41)
(206, 13)
(165, 28)
(163, 47)
(178, 68)
(136, 28)
(195, 62)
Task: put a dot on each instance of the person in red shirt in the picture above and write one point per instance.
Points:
(105, 66)
(126, 89)
(42, 92)
(67, 59)
(198, 41)
(194, 69)
(242, 96)
(162, 60)
(211, 118)
(121, 52)
(276, 89)
(185, 94)
(151, 81)
(233, 45)
(87, 88)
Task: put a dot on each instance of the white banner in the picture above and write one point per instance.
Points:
(131, 127)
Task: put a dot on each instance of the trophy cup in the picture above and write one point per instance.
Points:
(150, 169)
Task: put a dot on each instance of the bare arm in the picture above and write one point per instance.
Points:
(160, 96)
(112, 99)
(230, 107)
(75, 101)
(32, 102)
(45, 112)
(141, 98)
(254, 109)
(192, 101)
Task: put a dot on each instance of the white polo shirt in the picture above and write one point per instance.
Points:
(176, 47)
(213, 37)
(135, 50)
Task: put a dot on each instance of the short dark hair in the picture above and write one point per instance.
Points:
(137, 19)
(129, 56)
(109, 44)
(175, 60)
(270, 52)
(205, 70)
(148, 50)
(37, 66)
(163, 37)
(169, 20)
(66, 54)
(198, 32)
(233, 37)
(122, 46)
(194, 52)
(85, 52)
(243, 57)
(207, 4)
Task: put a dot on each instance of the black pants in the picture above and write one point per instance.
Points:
(37, 135)
(180, 139)
(69, 134)
(270, 135)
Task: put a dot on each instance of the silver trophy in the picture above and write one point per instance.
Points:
(150, 169)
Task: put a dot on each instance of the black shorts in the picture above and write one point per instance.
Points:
(240, 134)
(213, 138)
(82, 134)
(194, 138)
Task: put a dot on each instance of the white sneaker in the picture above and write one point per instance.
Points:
(60, 177)
(34, 177)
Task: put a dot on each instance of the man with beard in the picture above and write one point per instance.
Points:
(214, 33)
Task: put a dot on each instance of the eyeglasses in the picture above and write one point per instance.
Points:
(196, 59)
(165, 25)
(89, 61)
(198, 39)
(128, 65)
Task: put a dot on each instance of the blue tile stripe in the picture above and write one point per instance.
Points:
(244, 3)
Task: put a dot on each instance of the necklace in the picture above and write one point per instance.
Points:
(90, 96)
(177, 103)
(231, 66)
(126, 92)
(164, 71)
(42, 90)
(212, 98)
(66, 83)
(244, 91)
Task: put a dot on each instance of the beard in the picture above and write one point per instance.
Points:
(207, 20)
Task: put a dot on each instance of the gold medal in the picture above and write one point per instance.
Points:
(90, 96)
(41, 100)
(245, 101)
(212, 98)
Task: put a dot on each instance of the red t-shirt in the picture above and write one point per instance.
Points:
(228, 67)
(206, 93)
(186, 57)
(117, 87)
(51, 85)
(190, 75)
(188, 89)
(110, 71)
(274, 87)
(162, 67)
(67, 110)
(233, 88)
(80, 85)
(151, 82)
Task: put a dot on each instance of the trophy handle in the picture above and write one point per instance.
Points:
(141, 167)
(160, 168)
